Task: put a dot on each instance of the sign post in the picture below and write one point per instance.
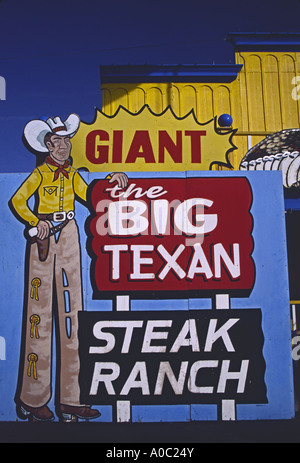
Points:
(155, 247)
(123, 407)
(228, 406)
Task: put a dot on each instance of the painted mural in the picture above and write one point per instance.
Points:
(146, 296)
(146, 141)
(53, 263)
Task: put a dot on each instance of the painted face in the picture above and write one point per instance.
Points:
(59, 148)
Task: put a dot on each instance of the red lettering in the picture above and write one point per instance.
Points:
(91, 154)
(117, 146)
(141, 148)
(195, 144)
(174, 149)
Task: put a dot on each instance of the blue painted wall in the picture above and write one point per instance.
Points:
(270, 293)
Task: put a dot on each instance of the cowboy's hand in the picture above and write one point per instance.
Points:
(120, 178)
(43, 229)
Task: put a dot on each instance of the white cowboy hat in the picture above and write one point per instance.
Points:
(35, 131)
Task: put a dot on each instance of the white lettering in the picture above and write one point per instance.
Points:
(296, 90)
(2, 348)
(124, 453)
(226, 375)
(187, 336)
(160, 216)
(131, 217)
(171, 262)
(296, 349)
(193, 376)
(198, 264)
(232, 266)
(107, 379)
(102, 336)
(182, 340)
(2, 88)
(138, 261)
(102, 206)
(204, 268)
(115, 249)
(166, 370)
(152, 192)
(183, 217)
(213, 335)
(126, 218)
(129, 326)
(150, 335)
(132, 382)
(108, 372)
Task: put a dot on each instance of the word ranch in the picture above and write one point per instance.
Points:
(108, 372)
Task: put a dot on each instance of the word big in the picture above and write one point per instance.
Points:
(183, 235)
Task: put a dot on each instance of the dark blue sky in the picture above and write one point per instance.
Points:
(51, 52)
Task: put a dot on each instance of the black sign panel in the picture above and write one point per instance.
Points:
(172, 357)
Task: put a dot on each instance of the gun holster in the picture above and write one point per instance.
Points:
(43, 248)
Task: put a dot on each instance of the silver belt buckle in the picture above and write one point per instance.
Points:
(70, 215)
(59, 216)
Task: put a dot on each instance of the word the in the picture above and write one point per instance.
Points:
(137, 192)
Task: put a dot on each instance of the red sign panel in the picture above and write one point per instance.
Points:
(172, 235)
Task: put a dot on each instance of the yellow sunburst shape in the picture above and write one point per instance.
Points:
(149, 142)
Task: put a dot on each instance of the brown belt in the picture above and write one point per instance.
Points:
(45, 216)
(50, 217)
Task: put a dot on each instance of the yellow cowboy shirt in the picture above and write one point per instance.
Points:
(54, 196)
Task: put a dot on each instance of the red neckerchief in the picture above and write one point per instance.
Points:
(60, 168)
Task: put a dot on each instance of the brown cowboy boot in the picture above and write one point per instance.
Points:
(34, 414)
(69, 414)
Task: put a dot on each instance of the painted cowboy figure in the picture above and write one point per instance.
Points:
(54, 272)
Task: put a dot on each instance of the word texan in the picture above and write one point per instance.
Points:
(180, 235)
(198, 264)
